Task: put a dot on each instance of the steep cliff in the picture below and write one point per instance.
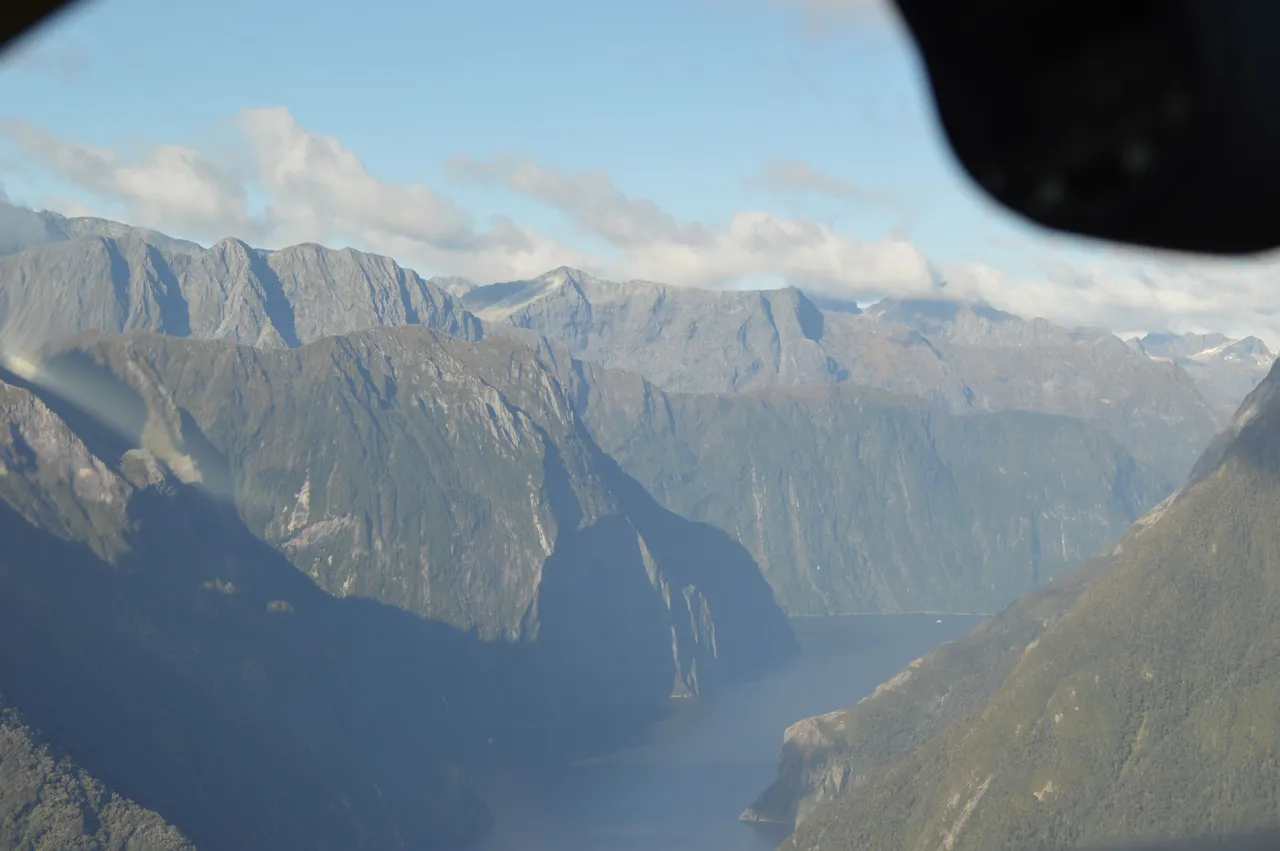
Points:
(855, 500)
(454, 480)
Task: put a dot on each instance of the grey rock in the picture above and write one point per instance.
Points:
(230, 291)
(680, 338)
(22, 228)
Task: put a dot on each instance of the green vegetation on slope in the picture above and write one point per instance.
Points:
(829, 756)
(48, 803)
(1146, 711)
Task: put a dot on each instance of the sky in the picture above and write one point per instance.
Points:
(711, 143)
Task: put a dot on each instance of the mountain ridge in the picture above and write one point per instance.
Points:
(451, 424)
(960, 357)
(1142, 712)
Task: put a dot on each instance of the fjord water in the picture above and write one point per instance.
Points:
(683, 786)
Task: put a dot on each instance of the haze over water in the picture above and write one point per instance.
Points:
(683, 788)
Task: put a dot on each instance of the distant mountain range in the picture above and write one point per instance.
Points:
(1224, 369)
(959, 357)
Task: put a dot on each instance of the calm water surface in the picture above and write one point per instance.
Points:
(702, 765)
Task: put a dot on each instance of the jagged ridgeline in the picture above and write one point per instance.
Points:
(1140, 705)
(120, 278)
(960, 358)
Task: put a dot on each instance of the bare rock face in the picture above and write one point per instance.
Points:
(680, 338)
(100, 278)
(855, 500)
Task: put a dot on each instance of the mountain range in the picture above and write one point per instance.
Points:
(962, 358)
(772, 350)
(1224, 369)
(265, 501)
(64, 275)
(452, 480)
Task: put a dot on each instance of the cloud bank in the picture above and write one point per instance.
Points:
(318, 190)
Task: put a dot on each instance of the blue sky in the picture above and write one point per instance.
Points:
(707, 142)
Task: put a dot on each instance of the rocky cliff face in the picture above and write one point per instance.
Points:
(680, 338)
(21, 228)
(973, 358)
(854, 500)
(454, 480)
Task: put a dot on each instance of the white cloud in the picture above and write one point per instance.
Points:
(318, 186)
(1131, 291)
(589, 197)
(808, 254)
(754, 244)
(791, 177)
(167, 186)
(321, 191)
(318, 190)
